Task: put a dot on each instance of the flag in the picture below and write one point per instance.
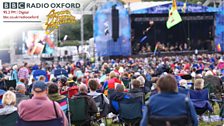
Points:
(174, 5)
(219, 49)
(156, 48)
(184, 7)
(174, 16)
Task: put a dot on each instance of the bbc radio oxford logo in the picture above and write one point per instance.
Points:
(13, 5)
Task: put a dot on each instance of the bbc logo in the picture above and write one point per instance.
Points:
(13, 5)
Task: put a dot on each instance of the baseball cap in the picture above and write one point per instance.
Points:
(39, 86)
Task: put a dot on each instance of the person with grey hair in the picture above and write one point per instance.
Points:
(83, 90)
(183, 89)
(213, 84)
(145, 89)
(20, 93)
(199, 84)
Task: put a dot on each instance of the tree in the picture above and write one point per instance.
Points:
(73, 30)
(189, 1)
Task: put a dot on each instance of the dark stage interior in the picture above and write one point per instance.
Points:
(196, 31)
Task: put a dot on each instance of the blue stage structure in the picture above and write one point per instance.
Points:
(105, 45)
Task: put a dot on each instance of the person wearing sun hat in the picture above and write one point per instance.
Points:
(40, 107)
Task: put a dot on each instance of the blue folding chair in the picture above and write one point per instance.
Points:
(200, 99)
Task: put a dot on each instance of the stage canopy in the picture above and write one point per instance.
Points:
(164, 6)
(189, 13)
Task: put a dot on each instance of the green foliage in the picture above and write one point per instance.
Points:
(74, 30)
(70, 43)
(189, 1)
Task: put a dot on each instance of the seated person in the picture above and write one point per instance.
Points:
(53, 94)
(98, 97)
(198, 84)
(136, 90)
(110, 84)
(40, 107)
(161, 104)
(67, 89)
(142, 84)
(183, 87)
(117, 96)
(93, 86)
(200, 97)
(135, 86)
(20, 93)
(8, 114)
(92, 109)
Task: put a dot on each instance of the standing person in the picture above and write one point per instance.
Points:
(40, 107)
(14, 74)
(2, 81)
(24, 73)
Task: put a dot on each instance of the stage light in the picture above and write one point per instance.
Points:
(151, 22)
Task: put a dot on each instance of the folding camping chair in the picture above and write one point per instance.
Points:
(78, 111)
(200, 99)
(38, 73)
(132, 114)
(152, 120)
(103, 108)
(168, 121)
(58, 73)
(8, 120)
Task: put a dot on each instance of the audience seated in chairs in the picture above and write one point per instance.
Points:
(117, 96)
(82, 107)
(136, 91)
(144, 88)
(130, 115)
(53, 94)
(183, 88)
(66, 88)
(8, 114)
(1, 95)
(200, 97)
(109, 86)
(162, 110)
(40, 110)
(20, 93)
(126, 80)
(100, 99)
(213, 84)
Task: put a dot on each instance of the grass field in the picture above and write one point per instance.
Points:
(109, 123)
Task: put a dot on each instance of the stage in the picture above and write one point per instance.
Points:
(172, 53)
(196, 30)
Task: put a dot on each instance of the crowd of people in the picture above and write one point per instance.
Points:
(42, 93)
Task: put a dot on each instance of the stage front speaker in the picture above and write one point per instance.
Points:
(66, 52)
(115, 23)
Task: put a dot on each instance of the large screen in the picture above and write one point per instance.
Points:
(37, 42)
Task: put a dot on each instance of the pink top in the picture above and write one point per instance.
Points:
(40, 108)
(23, 73)
(220, 65)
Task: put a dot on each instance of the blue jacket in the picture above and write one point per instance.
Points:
(170, 104)
(14, 76)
